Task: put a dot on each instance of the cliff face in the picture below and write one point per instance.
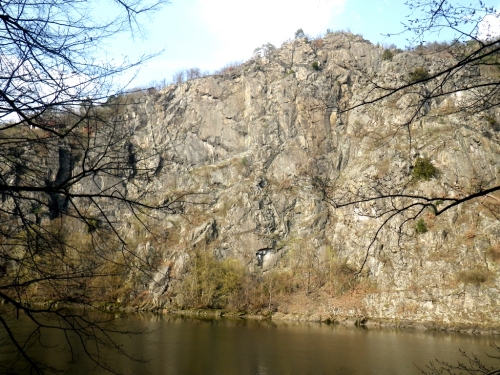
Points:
(251, 147)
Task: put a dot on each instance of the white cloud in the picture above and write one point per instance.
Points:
(241, 26)
(489, 27)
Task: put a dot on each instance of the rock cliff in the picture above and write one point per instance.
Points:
(250, 151)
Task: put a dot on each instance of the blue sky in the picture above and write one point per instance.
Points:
(208, 34)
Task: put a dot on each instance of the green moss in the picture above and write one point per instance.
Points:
(315, 65)
(492, 121)
(424, 169)
(387, 55)
(419, 74)
(245, 162)
(420, 227)
(93, 225)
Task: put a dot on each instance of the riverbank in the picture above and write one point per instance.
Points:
(360, 321)
(345, 320)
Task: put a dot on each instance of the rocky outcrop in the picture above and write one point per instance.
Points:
(248, 149)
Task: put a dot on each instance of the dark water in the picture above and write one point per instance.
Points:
(246, 347)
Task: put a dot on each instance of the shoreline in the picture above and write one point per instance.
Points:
(365, 322)
(361, 321)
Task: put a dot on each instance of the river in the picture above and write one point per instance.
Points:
(188, 346)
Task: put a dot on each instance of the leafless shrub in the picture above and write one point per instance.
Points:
(179, 77)
(228, 68)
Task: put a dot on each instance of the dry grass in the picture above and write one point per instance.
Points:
(383, 169)
(442, 254)
(317, 43)
(470, 233)
(493, 252)
(283, 184)
(430, 220)
(477, 276)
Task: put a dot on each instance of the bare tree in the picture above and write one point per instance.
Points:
(193, 73)
(472, 364)
(467, 69)
(66, 158)
(179, 77)
(264, 50)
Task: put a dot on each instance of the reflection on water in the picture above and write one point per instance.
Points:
(180, 345)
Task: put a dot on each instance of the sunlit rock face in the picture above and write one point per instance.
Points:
(250, 149)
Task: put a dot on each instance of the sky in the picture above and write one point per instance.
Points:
(209, 34)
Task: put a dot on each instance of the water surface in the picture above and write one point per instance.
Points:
(182, 346)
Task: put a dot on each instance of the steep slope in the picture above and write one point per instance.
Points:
(253, 148)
